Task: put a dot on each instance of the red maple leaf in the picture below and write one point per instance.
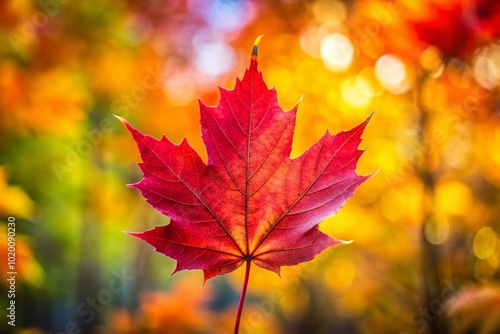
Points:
(250, 203)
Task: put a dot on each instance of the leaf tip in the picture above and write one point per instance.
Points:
(121, 119)
(133, 185)
(300, 99)
(370, 116)
(133, 234)
(255, 49)
(176, 270)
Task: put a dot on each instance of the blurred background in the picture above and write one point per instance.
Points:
(426, 228)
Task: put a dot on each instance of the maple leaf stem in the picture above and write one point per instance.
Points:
(242, 297)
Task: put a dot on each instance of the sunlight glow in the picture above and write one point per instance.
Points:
(391, 73)
(310, 42)
(486, 68)
(214, 59)
(437, 231)
(431, 61)
(137, 29)
(334, 12)
(485, 242)
(179, 89)
(352, 91)
(224, 15)
(341, 273)
(337, 52)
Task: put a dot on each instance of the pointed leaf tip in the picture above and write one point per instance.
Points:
(133, 234)
(255, 50)
(121, 119)
(300, 99)
(371, 115)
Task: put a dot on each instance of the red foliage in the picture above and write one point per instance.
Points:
(458, 27)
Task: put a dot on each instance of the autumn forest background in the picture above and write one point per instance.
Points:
(425, 256)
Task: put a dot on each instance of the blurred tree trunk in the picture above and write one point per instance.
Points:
(432, 280)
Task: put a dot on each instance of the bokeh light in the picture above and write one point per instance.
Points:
(179, 89)
(437, 231)
(392, 75)
(137, 29)
(356, 91)
(485, 242)
(431, 61)
(214, 59)
(224, 15)
(486, 67)
(341, 274)
(337, 52)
